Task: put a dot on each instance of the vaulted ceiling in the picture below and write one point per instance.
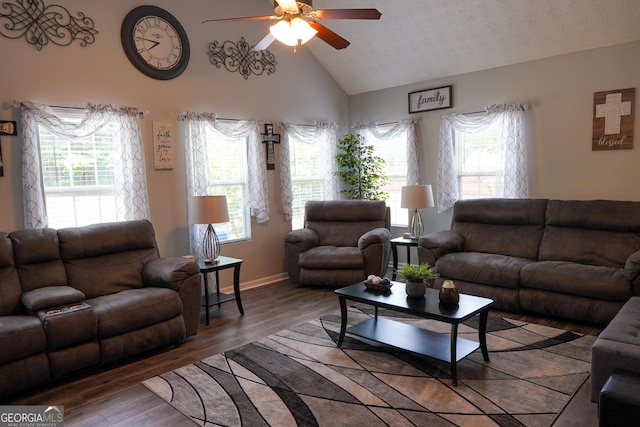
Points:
(419, 40)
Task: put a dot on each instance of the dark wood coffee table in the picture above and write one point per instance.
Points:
(445, 347)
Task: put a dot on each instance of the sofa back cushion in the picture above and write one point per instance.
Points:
(594, 232)
(37, 257)
(342, 222)
(9, 282)
(501, 226)
(102, 259)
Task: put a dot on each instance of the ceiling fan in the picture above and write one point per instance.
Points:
(299, 22)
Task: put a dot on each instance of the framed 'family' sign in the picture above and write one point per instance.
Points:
(613, 114)
(430, 99)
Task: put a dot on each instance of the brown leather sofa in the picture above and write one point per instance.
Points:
(343, 242)
(82, 297)
(573, 259)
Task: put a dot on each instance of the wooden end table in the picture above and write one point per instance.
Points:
(401, 241)
(217, 298)
(445, 347)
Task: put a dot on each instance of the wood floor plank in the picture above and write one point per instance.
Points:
(113, 395)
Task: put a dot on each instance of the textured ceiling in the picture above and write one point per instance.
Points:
(418, 40)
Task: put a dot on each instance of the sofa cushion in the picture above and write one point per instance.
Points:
(37, 257)
(591, 281)
(487, 269)
(501, 226)
(134, 309)
(586, 246)
(102, 259)
(21, 336)
(50, 296)
(331, 257)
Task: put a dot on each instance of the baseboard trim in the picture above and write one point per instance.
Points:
(258, 282)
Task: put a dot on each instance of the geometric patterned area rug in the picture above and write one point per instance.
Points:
(298, 377)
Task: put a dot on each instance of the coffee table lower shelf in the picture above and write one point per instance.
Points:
(411, 338)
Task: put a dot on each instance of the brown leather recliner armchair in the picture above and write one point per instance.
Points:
(343, 242)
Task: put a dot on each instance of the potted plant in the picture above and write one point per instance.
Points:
(416, 277)
(359, 169)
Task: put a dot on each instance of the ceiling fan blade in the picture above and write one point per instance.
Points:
(329, 36)
(347, 14)
(290, 6)
(264, 43)
(246, 18)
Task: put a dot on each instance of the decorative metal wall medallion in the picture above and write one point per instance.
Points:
(40, 24)
(239, 57)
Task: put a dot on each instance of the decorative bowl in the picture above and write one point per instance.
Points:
(380, 287)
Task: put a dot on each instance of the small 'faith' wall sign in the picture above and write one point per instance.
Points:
(613, 114)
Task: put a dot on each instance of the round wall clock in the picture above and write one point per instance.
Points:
(155, 42)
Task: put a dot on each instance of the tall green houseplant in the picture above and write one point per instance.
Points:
(360, 170)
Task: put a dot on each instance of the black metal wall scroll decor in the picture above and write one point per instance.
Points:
(40, 24)
(239, 57)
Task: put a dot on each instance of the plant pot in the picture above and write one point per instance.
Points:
(416, 289)
(449, 293)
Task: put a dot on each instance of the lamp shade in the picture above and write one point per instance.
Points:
(416, 197)
(208, 210)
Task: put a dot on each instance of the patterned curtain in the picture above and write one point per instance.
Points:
(512, 177)
(320, 133)
(385, 133)
(198, 161)
(130, 179)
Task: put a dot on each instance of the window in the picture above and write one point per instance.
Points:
(477, 162)
(395, 158)
(78, 176)
(228, 176)
(396, 144)
(82, 166)
(226, 158)
(483, 155)
(309, 151)
(306, 177)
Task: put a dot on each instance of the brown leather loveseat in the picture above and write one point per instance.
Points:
(81, 297)
(575, 259)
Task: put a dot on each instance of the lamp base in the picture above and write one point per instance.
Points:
(211, 261)
(415, 224)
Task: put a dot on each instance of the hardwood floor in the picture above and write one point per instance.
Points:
(113, 396)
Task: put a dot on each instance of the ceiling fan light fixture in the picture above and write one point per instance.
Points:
(294, 32)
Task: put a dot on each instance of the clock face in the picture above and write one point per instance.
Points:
(155, 42)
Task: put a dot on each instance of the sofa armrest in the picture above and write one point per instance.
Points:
(632, 266)
(182, 276)
(377, 235)
(376, 249)
(303, 238)
(168, 272)
(434, 245)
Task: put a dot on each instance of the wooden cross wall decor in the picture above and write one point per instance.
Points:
(613, 114)
(270, 138)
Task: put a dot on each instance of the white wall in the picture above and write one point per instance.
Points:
(300, 91)
(560, 91)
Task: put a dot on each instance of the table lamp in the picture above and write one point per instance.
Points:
(209, 210)
(416, 197)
